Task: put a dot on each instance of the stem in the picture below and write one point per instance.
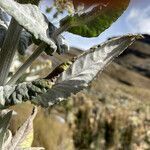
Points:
(27, 64)
(60, 30)
(8, 49)
(36, 53)
(55, 35)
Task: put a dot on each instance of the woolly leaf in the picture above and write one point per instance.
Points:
(30, 17)
(4, 19)
(85, 69)
(24, 136)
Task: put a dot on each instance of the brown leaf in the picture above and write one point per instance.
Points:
(24, 136)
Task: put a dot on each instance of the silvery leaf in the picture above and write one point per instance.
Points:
(30, 17)
(85, 69)
(77, 77)
(4, 19)
(4, 122)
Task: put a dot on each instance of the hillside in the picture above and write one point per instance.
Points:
(131, 70)
(113, 113)
(117, 104)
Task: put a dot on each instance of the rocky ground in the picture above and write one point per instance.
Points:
(113, 113)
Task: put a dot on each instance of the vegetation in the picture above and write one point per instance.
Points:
(28, 27)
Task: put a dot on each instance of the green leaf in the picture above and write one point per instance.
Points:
(94, 22)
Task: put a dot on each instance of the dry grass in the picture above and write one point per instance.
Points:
(112, 114)
(98, 125)
(49, 131)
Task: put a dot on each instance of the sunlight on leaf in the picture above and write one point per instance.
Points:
(93, 22)
(4, 122)
(30, 17)
(85, 69)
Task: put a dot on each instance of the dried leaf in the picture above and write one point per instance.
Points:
(24, 136)
(78, 76)
(92, 22)
(4, 20)
(4, 122)
(24, 42)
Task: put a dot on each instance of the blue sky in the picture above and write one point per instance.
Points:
(136, 19)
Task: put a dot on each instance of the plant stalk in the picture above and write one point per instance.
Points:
(60, 30)
(36, 53)
(8, 49)
(27, 64)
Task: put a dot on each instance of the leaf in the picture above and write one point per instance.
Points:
(25, 37)
(7, 139)
(44, 92)
(35, 2)
(4, 122)
(61, 43)
(3, 26)
(3, 31)
(24, 42)
(92, 23)
(24, 137)
(4, 20)
(84, 70)
(34, 148)
(37, 24)
(30, 17)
